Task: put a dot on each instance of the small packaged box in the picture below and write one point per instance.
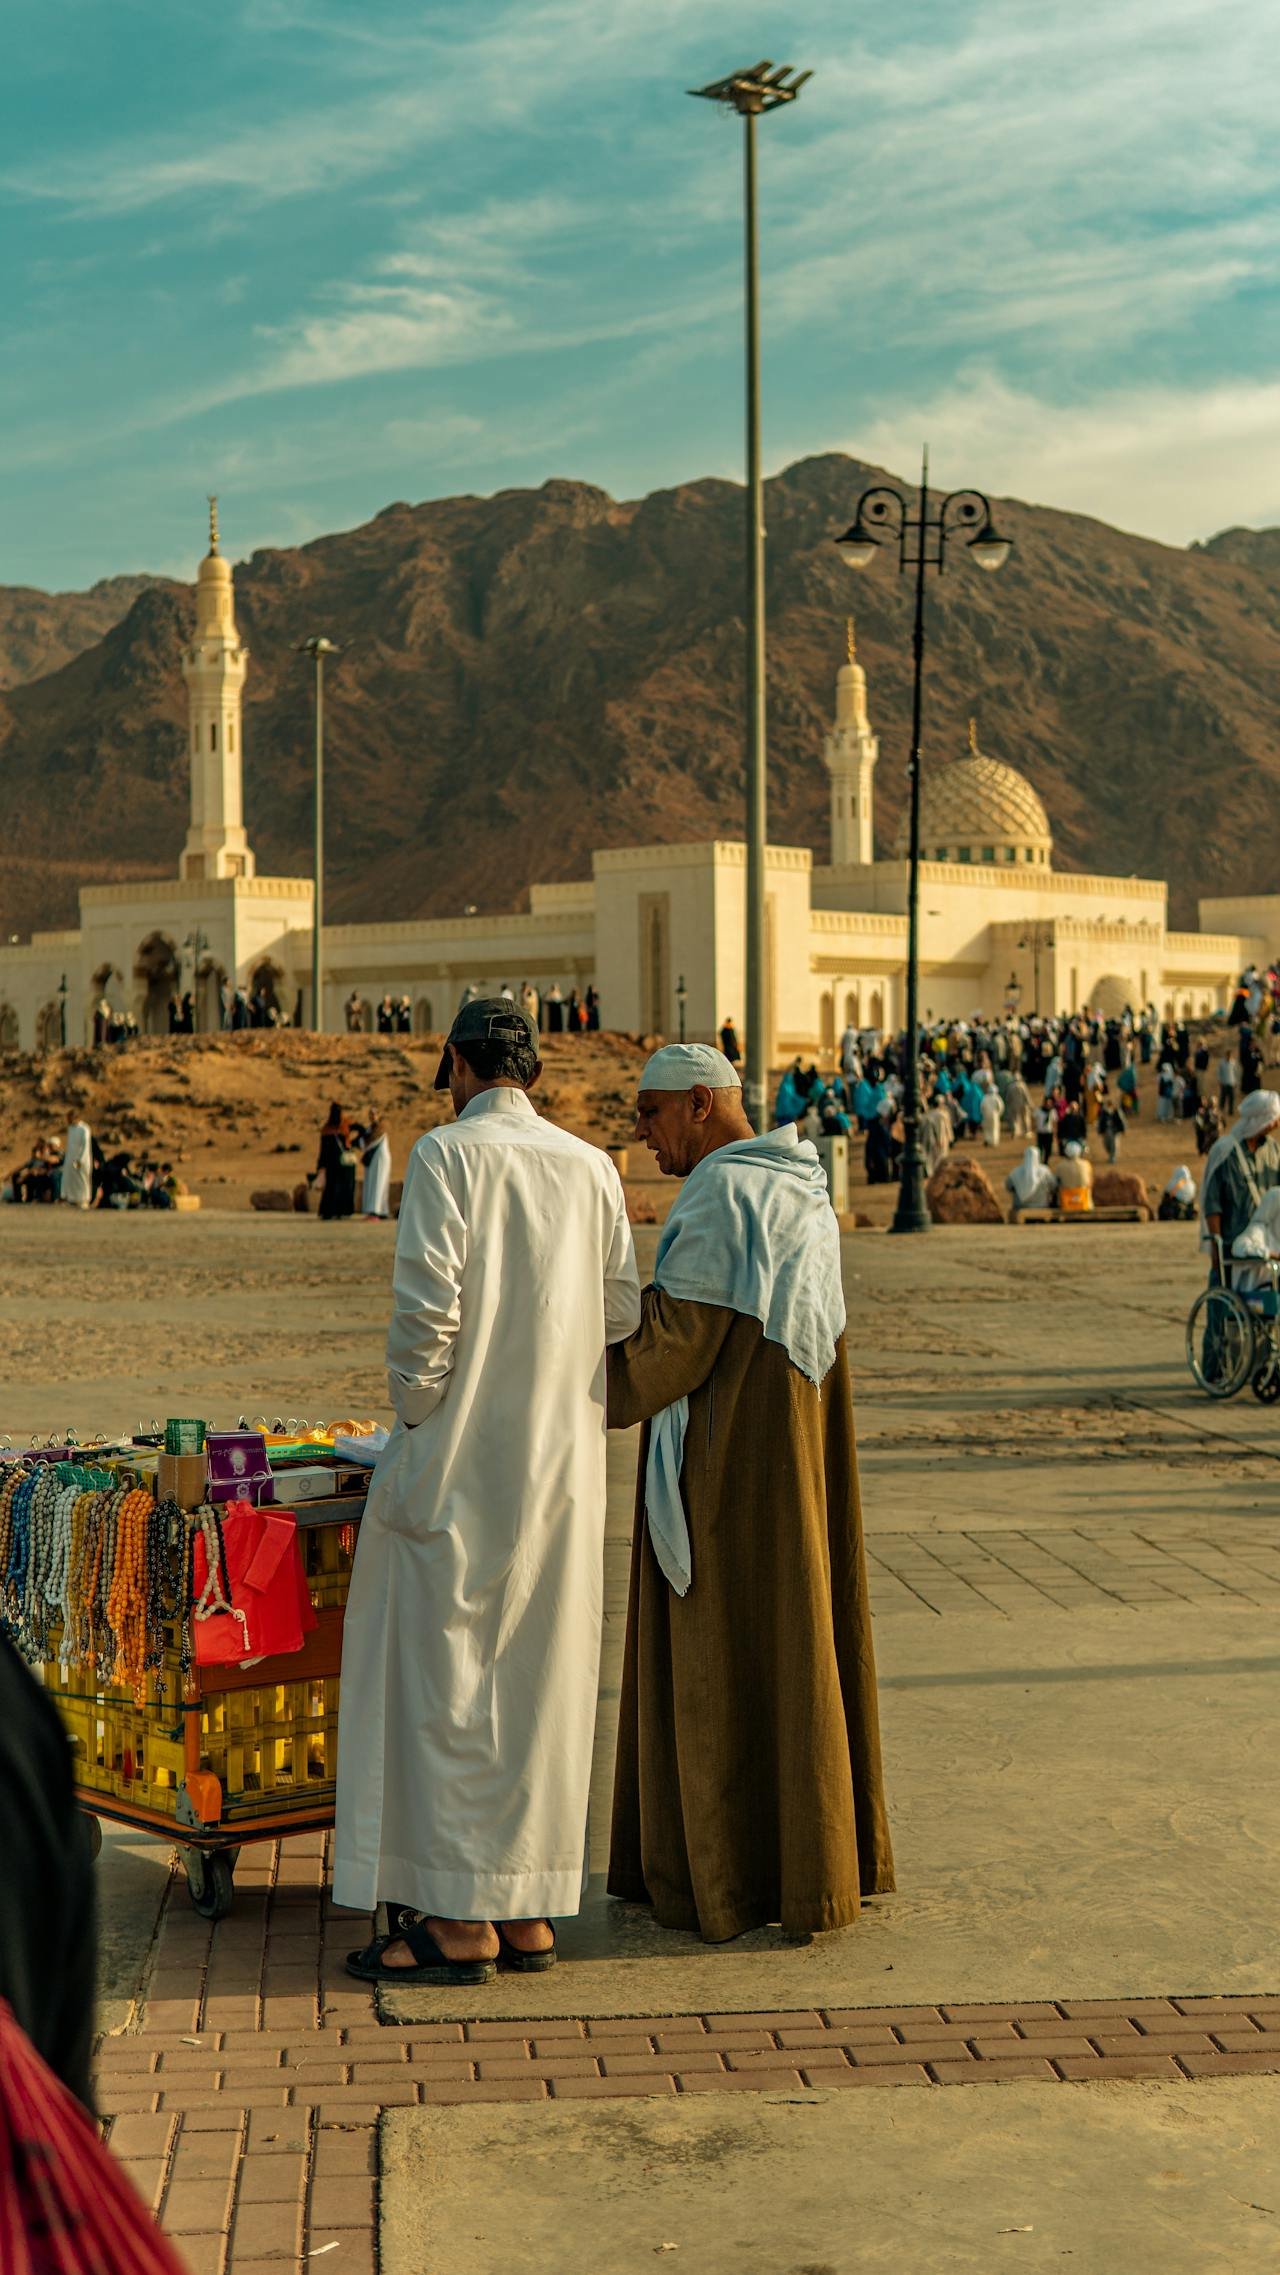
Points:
(182, 1477)
(183, 1436)
(238, 1467)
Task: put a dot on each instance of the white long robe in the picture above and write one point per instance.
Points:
(77, 1167)
(471, 1648)
(377, 1179)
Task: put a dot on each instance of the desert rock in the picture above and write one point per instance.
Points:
(959, 1193)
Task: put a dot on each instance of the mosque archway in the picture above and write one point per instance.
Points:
(827, 1020)
(422, 1019)
(157, 982)
(853, 1008)
(8, 1027)
(49, 1027)
(875, 1010)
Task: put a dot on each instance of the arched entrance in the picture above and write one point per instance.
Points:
(827, 1020)
(157, 982)
(875, 1010)
(267, 981)
(853, 1008)
(49, 1027)
(8, 1027)
(422, 1019)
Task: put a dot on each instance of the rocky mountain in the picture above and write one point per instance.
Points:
(41, 630)
(528, 676)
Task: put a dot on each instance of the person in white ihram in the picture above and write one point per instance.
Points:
(77, 1164)
(471, 1646)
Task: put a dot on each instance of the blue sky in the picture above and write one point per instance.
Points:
(320, 256)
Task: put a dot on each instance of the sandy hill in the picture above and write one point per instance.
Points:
(533, 674)
(234, 1112)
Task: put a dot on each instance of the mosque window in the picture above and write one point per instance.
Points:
(988, 853)
(963, 853)
(213, 734)
(1011, 853)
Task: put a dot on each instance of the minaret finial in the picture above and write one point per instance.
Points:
(213, 522)
(849, 642)
(973, 738)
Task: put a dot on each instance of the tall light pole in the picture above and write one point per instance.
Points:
(318, 647)
(751, 93)
(922, 544)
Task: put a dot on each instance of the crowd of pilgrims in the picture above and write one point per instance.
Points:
(1058, 1082)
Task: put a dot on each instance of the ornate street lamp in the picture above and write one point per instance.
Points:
(922, 540)
(682, 997)
(764, 87)
(318, 647)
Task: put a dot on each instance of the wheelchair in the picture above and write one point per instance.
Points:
(1233, 1336)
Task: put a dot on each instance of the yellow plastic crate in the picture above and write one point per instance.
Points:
(272, 1746)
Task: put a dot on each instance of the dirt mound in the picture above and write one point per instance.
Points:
(1121, 1189)
(959, 1193)
(240, 1114)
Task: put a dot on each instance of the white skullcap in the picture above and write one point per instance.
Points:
(1260, 1109)
(679, 1066)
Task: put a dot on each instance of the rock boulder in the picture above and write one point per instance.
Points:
(959, 1193)
(270, 1198)
(1120, 1189)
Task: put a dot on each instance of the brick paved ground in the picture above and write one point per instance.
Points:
(244, 2100)
(1073, 1567)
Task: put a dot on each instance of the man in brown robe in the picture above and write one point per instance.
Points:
(748, 1786)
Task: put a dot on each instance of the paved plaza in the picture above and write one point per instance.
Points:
(1075, 1563)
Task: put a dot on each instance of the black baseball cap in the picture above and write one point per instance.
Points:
(488, 1019)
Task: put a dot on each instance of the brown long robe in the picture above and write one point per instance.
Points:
(748, 1785)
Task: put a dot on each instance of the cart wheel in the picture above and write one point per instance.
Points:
(1266, 1383)
(210, 1881)
(93, 1833)
(1221, 1346)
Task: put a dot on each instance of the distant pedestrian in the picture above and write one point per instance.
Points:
(729, 1043)
(355, 1013)
(1227, 1085)
(554, 1008)
(1110, 1127)
(77, 1164)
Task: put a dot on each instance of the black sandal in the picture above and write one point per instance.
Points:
(431, 1963)
(525, 1962)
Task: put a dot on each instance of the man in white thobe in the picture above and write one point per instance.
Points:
(77, 1164)
(471, 1646)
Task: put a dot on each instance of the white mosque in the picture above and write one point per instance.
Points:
(655, 927)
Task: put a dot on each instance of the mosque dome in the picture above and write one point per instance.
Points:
(978, 810)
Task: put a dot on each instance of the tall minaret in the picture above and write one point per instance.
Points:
(214, 667)
(851, 751)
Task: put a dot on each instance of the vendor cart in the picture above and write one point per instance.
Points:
(229, 1754)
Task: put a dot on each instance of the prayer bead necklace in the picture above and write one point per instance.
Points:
(127, 1599)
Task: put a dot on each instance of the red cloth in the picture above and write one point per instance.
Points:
(267, 1584)
(66, 2208)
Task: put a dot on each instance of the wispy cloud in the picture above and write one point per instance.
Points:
(1175, 463)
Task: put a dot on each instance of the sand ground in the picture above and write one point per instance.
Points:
(1076, 1569)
